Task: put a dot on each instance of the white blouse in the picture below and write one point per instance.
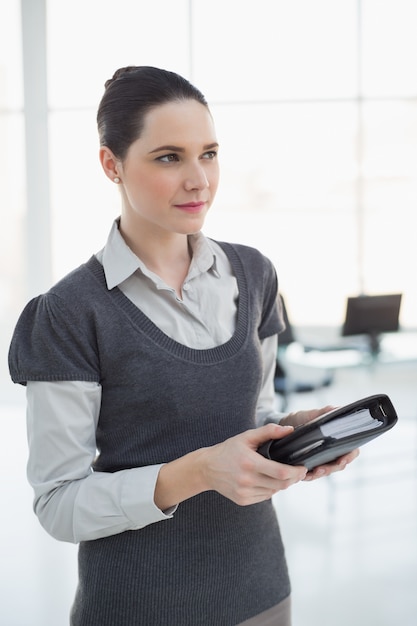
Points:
(74, 503)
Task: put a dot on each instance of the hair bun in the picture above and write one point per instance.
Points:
(119, 73)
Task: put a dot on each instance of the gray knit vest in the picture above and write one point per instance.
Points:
(214, 563)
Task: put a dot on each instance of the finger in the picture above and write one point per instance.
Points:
(266, 490)
(303, 417)
(352, 455)
(269, 489)
(337, 465)
(341, 462)
(326, 409)
(270, 431)
(288, 474)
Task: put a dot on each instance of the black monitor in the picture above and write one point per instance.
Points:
(371, 316)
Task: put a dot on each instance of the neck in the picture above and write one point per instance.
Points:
(164, 253)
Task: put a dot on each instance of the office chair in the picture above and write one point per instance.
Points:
(288, 382)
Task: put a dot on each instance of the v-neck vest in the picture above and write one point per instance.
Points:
(213, 562)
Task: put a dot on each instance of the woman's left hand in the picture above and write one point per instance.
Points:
(302, 417)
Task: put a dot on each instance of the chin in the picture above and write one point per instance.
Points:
(192, 226)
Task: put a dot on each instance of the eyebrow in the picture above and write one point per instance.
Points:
(170, 148)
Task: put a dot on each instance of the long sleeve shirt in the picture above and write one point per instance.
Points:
(74, 503)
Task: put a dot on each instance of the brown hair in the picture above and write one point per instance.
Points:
(129, 95)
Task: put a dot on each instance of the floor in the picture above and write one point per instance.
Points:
(351, 540)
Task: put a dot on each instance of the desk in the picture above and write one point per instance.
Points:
(357, 375)
(400, 347)
(314, 366)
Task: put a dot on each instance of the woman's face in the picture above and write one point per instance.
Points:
(170, 174)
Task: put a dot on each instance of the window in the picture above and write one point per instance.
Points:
(12, 177)
(316, 116)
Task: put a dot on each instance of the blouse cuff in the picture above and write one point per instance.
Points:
(137, 497)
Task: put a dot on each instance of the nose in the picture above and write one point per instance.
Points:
(196, 177)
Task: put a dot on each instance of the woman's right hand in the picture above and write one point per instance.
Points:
(233, 468)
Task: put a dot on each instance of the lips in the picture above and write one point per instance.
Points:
(191, 207)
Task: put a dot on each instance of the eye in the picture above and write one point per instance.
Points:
(168, 158)
(211, 154)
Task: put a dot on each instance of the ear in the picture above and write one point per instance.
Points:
(109, 163)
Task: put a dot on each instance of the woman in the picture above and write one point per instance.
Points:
(148, 369)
